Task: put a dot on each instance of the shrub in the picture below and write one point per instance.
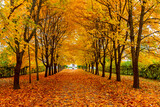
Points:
(153, 71)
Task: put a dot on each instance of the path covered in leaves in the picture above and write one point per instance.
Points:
(78, 88)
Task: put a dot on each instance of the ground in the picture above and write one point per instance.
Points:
(77, 88)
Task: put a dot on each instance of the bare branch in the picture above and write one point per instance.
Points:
(150, 34)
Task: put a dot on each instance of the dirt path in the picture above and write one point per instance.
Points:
(77, 88)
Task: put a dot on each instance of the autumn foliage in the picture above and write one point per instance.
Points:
(97, 35)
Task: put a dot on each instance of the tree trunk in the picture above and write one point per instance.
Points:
(58, 67)
(136, 75)
(103, 65)
(46, 71)
(55, 69)
(118, 72)
(135, 68)
(49, 70)
(92, 68)
(19, 56)
(16, 78)
(52, 70)
(47, 62)
(36, 41)
(96, 73)
(36, 56)
(135, 51)
(103, 70)
(52, 58)
(29, 65)
(89, 67)
(116, 62)
(86, 66)
(110, 69)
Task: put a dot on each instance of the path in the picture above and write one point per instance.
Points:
(76, 88)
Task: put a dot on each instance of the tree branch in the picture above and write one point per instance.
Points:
(14, 10)
(150, 34)
(11, 46)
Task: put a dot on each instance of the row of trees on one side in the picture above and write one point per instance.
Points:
(34, 29)
(52, 34)
(118, 29)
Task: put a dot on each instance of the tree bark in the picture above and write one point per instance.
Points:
(36, 56)
(55, 69)
(16, 78)
(86, 66)
(52, 59)
(104, 63)
(52, 70)
(92, 69)
(97, 72)
(49, 70)
(117, 64)
(103, 70)
(36, 41)
(47, 60)
(89, 67)
(110, 68)
(59, 67)
(19, 56)
(118, 72)
(46, 71)
(29, 65)
(136, 75)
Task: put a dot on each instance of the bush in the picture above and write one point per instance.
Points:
(40, 69)
(152, 71)
(6, 71)
(126, 68)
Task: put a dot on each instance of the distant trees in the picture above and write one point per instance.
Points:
(51, 37)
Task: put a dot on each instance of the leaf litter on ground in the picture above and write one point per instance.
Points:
(78, 88)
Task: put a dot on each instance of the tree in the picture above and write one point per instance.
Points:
(17, 38)
(136, 39)
(52, 34)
